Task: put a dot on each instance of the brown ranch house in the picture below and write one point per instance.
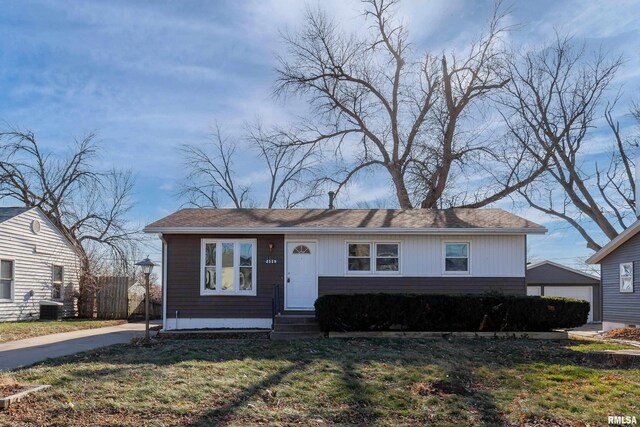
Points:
(229, 268)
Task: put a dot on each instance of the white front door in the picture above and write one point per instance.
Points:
(301, 282)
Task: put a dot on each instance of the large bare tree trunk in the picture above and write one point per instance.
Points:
(397, 110)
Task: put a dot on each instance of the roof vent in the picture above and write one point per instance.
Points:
(332, 196)
(35, 226)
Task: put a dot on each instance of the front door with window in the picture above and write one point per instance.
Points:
(301, 282)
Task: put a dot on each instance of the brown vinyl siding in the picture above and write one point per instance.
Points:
(421, 285)
(184, 270)
(183, 279)
(617, 306)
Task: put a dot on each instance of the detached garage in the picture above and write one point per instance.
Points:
(548, 278)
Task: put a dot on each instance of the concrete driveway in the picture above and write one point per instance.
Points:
(21, 353)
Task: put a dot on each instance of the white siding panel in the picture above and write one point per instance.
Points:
(33, 256)
(421, 256)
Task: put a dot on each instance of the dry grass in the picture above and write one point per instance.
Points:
(12, 331)
(331, 382)
(9, 385)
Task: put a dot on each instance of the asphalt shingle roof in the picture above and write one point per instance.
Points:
(344, 218)
(10, 212)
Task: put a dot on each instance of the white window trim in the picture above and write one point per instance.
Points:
(53, 277)
(13, 280)
(236, 266)
(373, 252)
(620, 278)
(444, 259)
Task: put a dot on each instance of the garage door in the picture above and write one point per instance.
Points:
(580, 292)
(534, 290)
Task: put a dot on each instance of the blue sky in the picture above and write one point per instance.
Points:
(149, 76)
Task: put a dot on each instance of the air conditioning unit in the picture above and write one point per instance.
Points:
(50, 310)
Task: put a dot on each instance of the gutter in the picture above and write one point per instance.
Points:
(341, 230)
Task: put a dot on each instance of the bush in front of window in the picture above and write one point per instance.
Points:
(473, 313)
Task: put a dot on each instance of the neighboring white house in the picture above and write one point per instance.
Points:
(37, 263)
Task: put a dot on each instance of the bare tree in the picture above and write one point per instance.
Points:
(556, 96)
(395, 110)
(89, 206)
(213, 181)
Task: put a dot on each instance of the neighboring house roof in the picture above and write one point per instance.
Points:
(549, 272)
(7, 213)
(460, 221)
(10, 212)
(627, 234)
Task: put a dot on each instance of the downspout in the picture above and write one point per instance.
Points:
(164, 283)
(526, 262)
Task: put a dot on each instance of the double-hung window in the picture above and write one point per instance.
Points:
(373, 258)
(228, 267)
(359, 258)
(456, 258)
(7, 272)
(58, 282)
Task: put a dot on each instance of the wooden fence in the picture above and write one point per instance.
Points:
(112, 297)
(136, 307)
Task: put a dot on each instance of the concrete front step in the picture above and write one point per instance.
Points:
(283, 319)
(288, 336)
(297, 327)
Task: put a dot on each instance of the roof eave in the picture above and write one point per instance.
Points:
(564, 267)
(339, 230)
(614, 243)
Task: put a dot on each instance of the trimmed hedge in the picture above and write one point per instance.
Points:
(482, 313)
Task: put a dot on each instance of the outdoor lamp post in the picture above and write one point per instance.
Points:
(146, 266)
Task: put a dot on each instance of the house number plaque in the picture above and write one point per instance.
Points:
(271, 261)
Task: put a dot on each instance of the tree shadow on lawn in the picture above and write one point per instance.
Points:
(455, 362)
(224, 414)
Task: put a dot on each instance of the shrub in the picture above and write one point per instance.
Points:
(482, 313)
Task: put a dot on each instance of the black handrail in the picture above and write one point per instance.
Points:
(275, 305)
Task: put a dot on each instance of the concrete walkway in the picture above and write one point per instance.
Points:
(21, 353)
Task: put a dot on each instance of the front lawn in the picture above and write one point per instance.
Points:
(328, 382)
(11, 331)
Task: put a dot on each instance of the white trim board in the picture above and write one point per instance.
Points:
(615, 243)
(341, 230)
(216, 323)
(164, 281)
